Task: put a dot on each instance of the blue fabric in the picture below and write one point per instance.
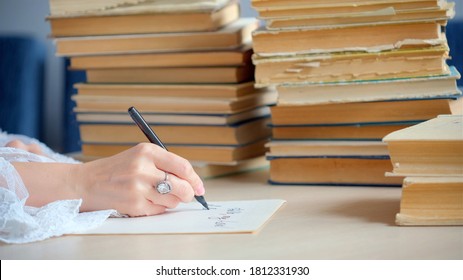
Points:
(22, 61)
(454, 32)
(71, 128)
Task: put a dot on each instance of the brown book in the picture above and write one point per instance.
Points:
(366, 171)
(329, 163)
(97, 103)
(237, 134)
(326, 148)
(231, 36)
(142, 21)
(363, 91)
(197, 75)
(366, 112)
(233, 57)
(375, 37)
(431, 148)
(172, 118)
(285, 9)
(217, 154)
(111, 7)
(351, 66)
(208, 170)
(431, 201)
(337, 132)
(168, 90)
(388, 14)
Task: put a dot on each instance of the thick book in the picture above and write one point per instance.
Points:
(105, 103)
(233, 57)
(229, 37)
(372, 131)
(281, 148)
(236, 134)
(441, 15)
(431, 201)
(339, 171)
(351, 66)
(371, 37)
(111, 7)
(214, 154)
(181, 75)
(370, 90)
(142, 21)
(167, 90)
(431, 148)
(286, 9)
(330, 163)
(208, 170)
(366, 112)
(174, 118)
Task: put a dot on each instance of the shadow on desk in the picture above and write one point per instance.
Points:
(381, 210)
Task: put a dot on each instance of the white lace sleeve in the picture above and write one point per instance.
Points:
(22, 224)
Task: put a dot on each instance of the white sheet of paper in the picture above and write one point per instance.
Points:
(246, 216)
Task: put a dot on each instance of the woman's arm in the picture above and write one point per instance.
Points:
(124, 182)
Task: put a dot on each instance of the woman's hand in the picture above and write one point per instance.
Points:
(125, 182)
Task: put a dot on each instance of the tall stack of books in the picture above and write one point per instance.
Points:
(185, 65)
(430, 157)
(348, 73)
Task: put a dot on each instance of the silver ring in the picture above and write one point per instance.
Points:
(164, 186)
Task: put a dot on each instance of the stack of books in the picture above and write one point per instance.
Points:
(347, 74)
(186, 66)
(430, 157)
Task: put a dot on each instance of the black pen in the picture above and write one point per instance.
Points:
(153, 138)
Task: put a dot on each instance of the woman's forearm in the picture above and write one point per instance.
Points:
(48, 182)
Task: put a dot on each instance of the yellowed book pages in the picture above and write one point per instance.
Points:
(184, 75)
(326, 148)
(244, 133)
(340, 170)
(431, 148)
(142, 22)
(215, 154)
(95, 103)
(270, 9)
(212, 91)
(371, 38)
(231, 36)
(112, 7)
(369, 90)
(348, 66)
(430, 201)
(336, 132)
(365, 112)
(233, 57)
(389, 14)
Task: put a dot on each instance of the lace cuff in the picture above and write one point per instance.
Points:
(20, 223)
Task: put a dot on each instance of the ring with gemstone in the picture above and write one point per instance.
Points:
(164, 186)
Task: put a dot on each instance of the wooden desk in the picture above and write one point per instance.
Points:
(315, 223)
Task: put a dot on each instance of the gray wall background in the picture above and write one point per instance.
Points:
(28, 17)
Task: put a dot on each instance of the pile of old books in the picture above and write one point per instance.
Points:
(430, 157)
(186, 65)
(347, 74)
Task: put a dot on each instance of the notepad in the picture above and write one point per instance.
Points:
(246, 216)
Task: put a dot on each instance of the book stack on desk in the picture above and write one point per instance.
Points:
(185, 65)
(347, 74)
(430, 157)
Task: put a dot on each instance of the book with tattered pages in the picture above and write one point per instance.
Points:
(247, 216)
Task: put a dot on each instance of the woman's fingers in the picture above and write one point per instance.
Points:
(181, 191)
(180, 167)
